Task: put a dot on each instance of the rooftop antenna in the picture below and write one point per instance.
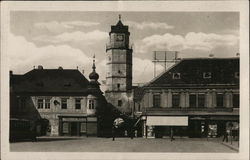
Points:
(164, 58)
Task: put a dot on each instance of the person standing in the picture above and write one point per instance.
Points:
(113, 132)
(225, 136)
(172, 133)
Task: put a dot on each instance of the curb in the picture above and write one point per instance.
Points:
(230, 146)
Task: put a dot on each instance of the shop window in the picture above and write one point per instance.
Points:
(157, 100)
(119, 103)
(47, 103)
(83, 127)
(65, 127)
(40, 104)
(176, 100)
(219, 100)
(207, 75)
(236, 100)
(64, 103)
(176, 76)
(91, 104)
(77, 103)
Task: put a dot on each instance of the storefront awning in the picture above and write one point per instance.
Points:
(167, 121)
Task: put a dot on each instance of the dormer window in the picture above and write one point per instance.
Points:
(176, 75)
(236, 75)
(207, 75)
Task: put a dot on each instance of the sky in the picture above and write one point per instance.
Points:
(70, 39)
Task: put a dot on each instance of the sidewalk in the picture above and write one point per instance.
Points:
(233, 146)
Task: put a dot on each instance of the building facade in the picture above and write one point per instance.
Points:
(119, 68)
(62, 96)
(197, 97)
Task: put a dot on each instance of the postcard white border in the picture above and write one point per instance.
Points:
(194, 6)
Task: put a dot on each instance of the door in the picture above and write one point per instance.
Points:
(74, 129)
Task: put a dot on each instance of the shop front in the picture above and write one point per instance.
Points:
(190, 126)
(160, 126)
(77, 126)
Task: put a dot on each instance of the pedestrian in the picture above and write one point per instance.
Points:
(225, 136)
(172, 134)
(113, 132)
(132, 133)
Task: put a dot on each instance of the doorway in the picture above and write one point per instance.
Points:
(74, 129)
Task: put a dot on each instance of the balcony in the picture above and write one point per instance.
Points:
(118, 46)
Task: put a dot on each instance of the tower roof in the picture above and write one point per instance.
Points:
(119, 27)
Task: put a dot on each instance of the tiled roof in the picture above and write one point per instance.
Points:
(50, 81)
(191, 72)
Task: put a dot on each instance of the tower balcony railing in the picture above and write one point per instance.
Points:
(118, 46)
(188, 109)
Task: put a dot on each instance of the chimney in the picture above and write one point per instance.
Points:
(40, 67)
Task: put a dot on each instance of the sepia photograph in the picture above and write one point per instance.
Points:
(124, 82)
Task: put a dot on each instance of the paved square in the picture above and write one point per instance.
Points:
(93, 144)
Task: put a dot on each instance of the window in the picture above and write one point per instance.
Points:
(207, 75)
(40, 104)
(219, 100)
(157, 100)
(64, 103)
(47, 103)
(236, 75)
(78, 103)
(176, 100)
(236, 100)
(91, 104)
(139, 107)
(118, 86)
(176, 76)
(201, 100)
(119, 103)
(119, 71)
(192, 100)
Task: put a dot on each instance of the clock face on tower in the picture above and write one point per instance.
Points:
(120, 37)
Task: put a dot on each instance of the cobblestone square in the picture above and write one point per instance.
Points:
(93, 144)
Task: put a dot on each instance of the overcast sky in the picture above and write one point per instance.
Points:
(70, 39)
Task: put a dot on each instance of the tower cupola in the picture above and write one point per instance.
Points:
(93, 76)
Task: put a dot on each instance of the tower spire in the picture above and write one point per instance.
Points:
(119, 17)
(93, 67)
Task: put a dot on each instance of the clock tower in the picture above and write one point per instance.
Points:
(119, 67)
